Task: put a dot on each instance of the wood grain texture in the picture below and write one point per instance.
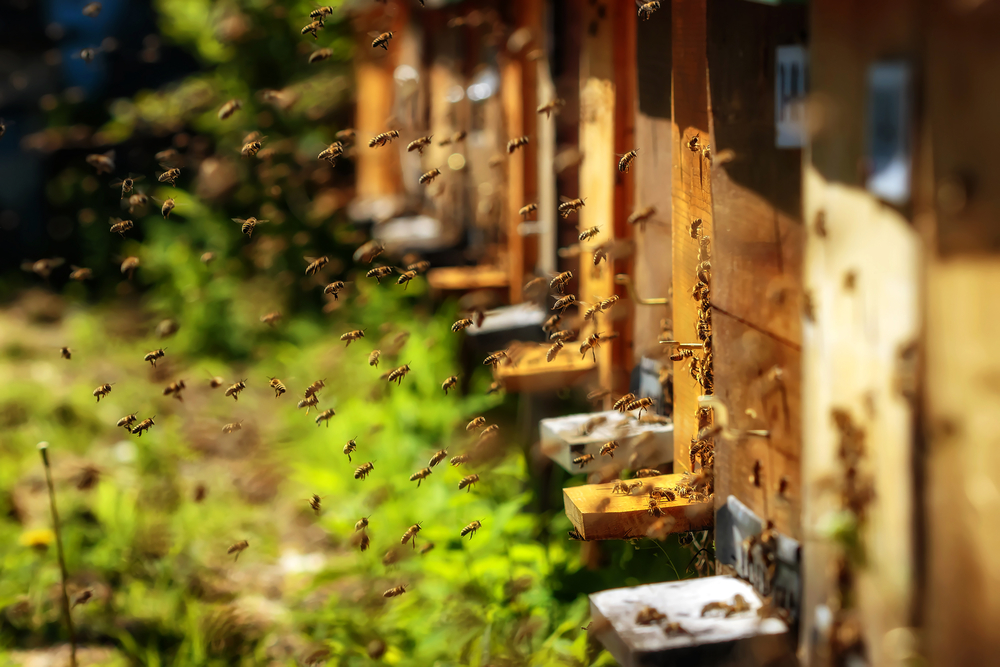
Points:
(532, 373)
(598, 514)
(512, 90)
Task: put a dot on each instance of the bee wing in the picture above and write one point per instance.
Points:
(136, 177)
(310, 260)
(374, 33)
(260, 222)
(115, 183)
(240, 220)
(564, 198)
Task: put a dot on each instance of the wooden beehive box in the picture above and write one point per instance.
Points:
(640, 445)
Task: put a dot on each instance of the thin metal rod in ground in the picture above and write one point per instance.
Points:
(43, 448)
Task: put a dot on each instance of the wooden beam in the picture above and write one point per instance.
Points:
(512, 91)
(599, 514)
(530, 372)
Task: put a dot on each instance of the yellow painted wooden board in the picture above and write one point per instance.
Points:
(466, 277)
(599, 514)
(531, 372)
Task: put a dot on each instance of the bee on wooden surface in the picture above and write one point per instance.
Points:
(419, 144)
(151, 357)
(549, 107)
(352, 336)
(471, 529)
(642, 216)
(608, 448)
(382, 139)
(449, 383)
(646, 472)
(103, 163)
(92, 10)
(379, 272)
(582, 461)
(237, 549)
(373, 358)
(144, 425)
(119, 226)
(126, 183)
(624, 401)
(382, 40)
(680, 354)
(229, 108)
(438, 457)
(591, 424)
(277, 386)
(394, 592)
(563, 303)
(411, 534)
(350, 448)
(475, 423)
(461, 324)
(694, 144)
(247, 225)
(325, 416)
(127, 421)
(315, 502)
(588, 234)
(560, 281)
(649, 616)
(653, 507)
(625, 488)
(80, 273)
(467, 482)
(398, 374)
(459, 460)
(496, 358)
(313, 28)
(489, 431)
(405, 278)
(420, 475)
(626, 162)
(568, 207)
(335, 288)
(526, 210)
(663, 494)
(320, 55)
(103, 391)
(321, 12)
(235, 389)
(640, 405)
(363, 470)
(232, 428)
(314, 388)
(517, 142)
(65, 353)
(175, 388)
(428, 177)
(675, 628)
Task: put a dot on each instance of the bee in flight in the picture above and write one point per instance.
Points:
(626, 161)
(314, 388)
(420, 475)
(383, 139)
(565, 302)
(582, 461)
(429, 176)
(331, 152)
(461, 324)
(334, 288)
(151, 357)
(127, 421)
(325, 416)
(640, 405)
(467, 482)
(237, 549)
(475, 423)
(80, 273)
(271, 318)
(277, 386)
(126, 183)
(234, 390)
(350, 448)
(471, 529)
(398, 374)
(411, 534)
(373, 358)
(321, 12)
(361, 524)
(549, 107)
(252, 144)
(229, 108)
(232, 428)
(103, 391)
(137, 202)
(144, 425)
(405, 278)
(170, 175)
(588, 234)
(459, 460)
(247, 225)
(438, 457)
(320, 55)
(369, 251)
(608, 448)
(119, 226)
(92, 10)
(308, 403)
(568, 207)
(419, 267)
(352, 336)
(553, 351)
(419, 144)
(379, 272)
(394, 592)
(382, 40)
(526, 210)
(102, 162)
(489, 432)
(517, 142)
(315, 502)
(642, 216)
(313, 28)
(175, 388)
(646, 9)
(449, 383)
(346, 136)
(495, 358)
(364, 470)
(622, 402)
(129, 265)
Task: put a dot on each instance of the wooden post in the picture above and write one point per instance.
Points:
(512, 89)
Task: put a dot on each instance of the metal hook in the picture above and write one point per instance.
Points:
(626, 280)
(683, 346)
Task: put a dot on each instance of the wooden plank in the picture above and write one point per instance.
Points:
(640, 445)
(467, 277)
(599, 514)
(532, 373)
(512, 90)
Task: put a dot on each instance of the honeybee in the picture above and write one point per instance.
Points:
(567, 207)
(640, 405)
(648, 616)
(411, 533)
(313, 29)
(642, 216)
(605, 304)
(379, 272)
(565, 302)
(608, 448)
(398, 590)
(420, 475)
(3, 128)
(382, 139)
(234, 390)
(232, 428)
(247, 226)
(361, 524)
(398, 374)
(271, 318)
(207, 257)
(229, 108)
(137, 202)
(517, 142)
(325, 416)
(352, 336)
(459, 460)
(588, 234)
(214, 381)
(475, 423)
(695, 228)
(623, 401)
(405, 278)
(175, 388)
(320, 55)
(653, 507)
(168, 205)
(471, 529)
(560, 281)
(553, 351)
(92, 10)
(429, 176)
(461, 324)
(103, 163)
(525, 210)
(601, 253)
(373, 358)
(127, 421)
(151, 357)
(549, 107)
(426, 548)
(489, 431)
(277, 386)
(170, 175)
(449, 383)
(84, 596)
(315, 502)
(369, 251)
(126, 183)
(238, 549)
(144, 425)
(350, 448)
(119, 226)
(661, 493)
(382, 40)
(419, 267)
(680, 354)
(625, 488)
(251, 148)
(495, 358)
(582, 461)
(364, 541)
(438, 457)
(346, 136)
(331, 152)
(646, 9)
(694, 144)
(467, 482)
(334, 288)
(458, 137)
(626, 161)
(314, 388)
(103, 391)
(80, 273)
(591, 312)
(419, 144)
(320, 12)
(364, 470)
